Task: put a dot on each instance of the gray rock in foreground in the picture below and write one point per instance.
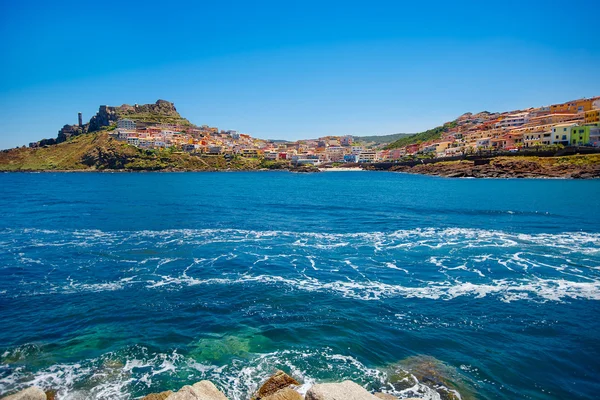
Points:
(346, 390)
(31, 393)
(203, 390)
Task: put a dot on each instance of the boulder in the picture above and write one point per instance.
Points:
(278, 381)
(31, 393)
(284, 394)
(203, 390)
(385, 396)
(346, 390)
(158, 396)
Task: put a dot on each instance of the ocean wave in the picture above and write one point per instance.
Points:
(542, 289)
(436, 264)
(137, 371)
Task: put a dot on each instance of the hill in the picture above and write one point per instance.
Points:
(98, 151)
(421, 137)
(163, 112)
(381, 139)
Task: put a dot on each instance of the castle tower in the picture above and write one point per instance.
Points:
(80, 119)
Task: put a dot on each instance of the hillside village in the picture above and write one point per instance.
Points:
(159, 126)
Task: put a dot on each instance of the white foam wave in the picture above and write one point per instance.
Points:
(111, 377)
(543, 289)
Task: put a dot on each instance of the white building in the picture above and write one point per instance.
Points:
(123, 134)
(271, 155)
(367, 156)
(127, 124)
(513, 120)
(357, 149)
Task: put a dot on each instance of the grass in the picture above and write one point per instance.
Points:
(421, 137)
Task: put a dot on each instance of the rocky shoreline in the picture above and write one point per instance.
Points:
(279, 386)
(571, 167)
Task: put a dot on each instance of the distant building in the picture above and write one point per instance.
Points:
(346, 140)
(127, 124)
(585, 135)
(513, 120)
(367, 156)
(561, 134)
(592, 116)
(80, 119)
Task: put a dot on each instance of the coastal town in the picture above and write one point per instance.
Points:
(574, 123)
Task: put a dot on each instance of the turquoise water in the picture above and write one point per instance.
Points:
(118, 285)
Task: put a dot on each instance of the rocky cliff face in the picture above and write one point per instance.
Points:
(161, 111)
(161, 107)
(105, 116)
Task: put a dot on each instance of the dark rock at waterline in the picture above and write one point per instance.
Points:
(158, 396)
(32, 393)
(305, 168)
(277, 382)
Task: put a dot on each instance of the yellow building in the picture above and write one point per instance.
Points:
(575, 106)
(592, 116)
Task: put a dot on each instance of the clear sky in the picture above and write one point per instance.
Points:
(292, 69)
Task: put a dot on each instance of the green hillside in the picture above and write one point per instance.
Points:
(381, 139)
(98, 151)
(421, 137)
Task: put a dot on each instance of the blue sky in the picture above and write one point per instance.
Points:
(291, 70)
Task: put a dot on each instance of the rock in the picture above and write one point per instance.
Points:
(50, 394)
(203, 390)
(31, 393)
(305, 168)
(385, 396)
(346, 390)
(158, 396)
(278, 381)
(284, 394)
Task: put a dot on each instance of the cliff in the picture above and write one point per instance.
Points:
(162, 111)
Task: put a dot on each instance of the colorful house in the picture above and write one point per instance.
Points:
(592, 116)
(581, 135)
(561, 133)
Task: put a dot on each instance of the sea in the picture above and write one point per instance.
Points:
(117, 285)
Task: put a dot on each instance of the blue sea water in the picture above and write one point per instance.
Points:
(113, 286)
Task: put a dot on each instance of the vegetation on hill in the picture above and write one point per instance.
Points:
(421, 137)
(98, 151)
(155, 118)
(383, 139)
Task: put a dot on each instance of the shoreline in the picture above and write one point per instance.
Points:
(456, 175)
(529, 167)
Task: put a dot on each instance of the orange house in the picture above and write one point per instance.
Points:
(575, 106)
